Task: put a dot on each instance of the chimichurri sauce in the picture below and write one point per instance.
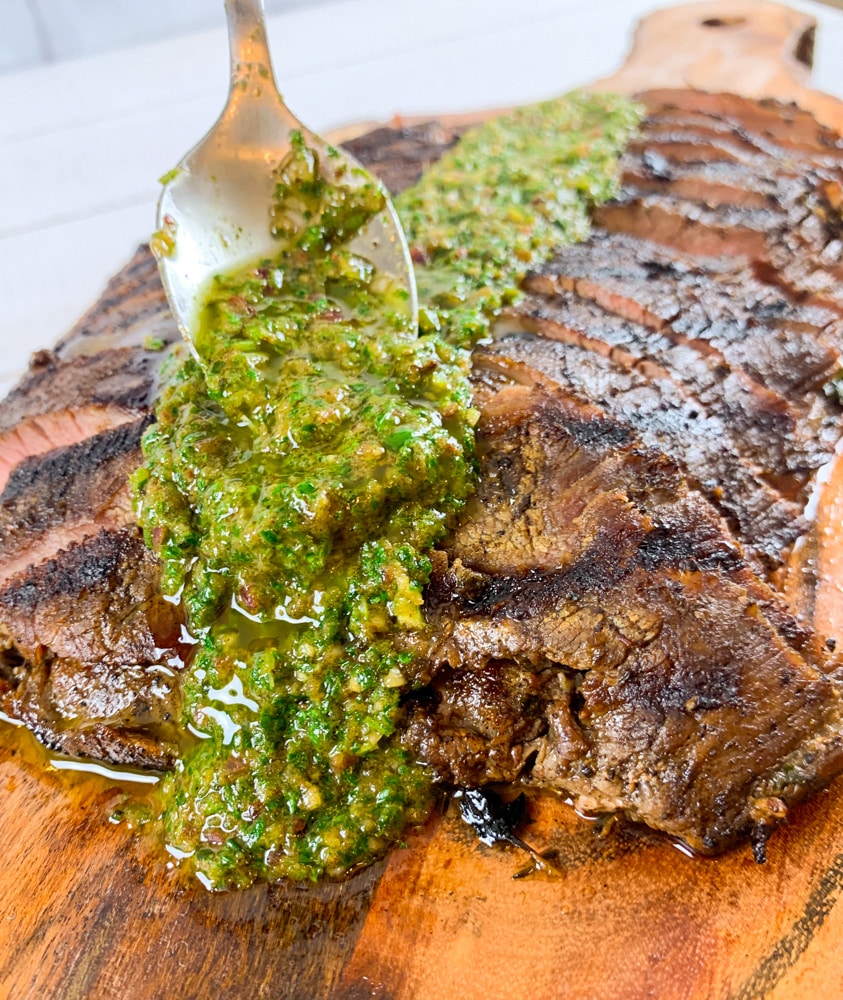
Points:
(303, 466)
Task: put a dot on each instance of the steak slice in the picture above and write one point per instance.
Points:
(693, 226)
(62, 402)
(764, 428)
(800, 254)
(785, 125)
(598, 629)
(699, 182)
(588, 588)
(52, 501)
(790, 348)
(90, 650)
(131, 312)
(662, 416)
(399, 155)
(716, 183)
(93, 652)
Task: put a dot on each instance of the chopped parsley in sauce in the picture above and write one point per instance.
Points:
(303, 466)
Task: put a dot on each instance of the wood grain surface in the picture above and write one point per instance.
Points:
(90, 910)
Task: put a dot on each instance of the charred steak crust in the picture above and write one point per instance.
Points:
(62, 401)
(102, 649)
(399, 155)
(651, 677)
(652, 421)
(120, 377)
(766, 522)
(68, 494)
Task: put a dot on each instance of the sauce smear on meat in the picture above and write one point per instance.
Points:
(304, 465)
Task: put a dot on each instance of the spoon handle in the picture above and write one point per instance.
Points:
(247, 42)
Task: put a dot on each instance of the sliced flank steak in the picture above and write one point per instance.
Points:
(605, 625)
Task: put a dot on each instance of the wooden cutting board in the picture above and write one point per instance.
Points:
(88, 910)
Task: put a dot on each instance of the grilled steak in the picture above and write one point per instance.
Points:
(606, 618)
(666, 419)
(641, 666)
(90, 650)
(101, 652)
(795, 237)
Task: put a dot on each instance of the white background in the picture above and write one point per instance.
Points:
(82, 142)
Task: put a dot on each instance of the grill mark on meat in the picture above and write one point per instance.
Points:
(715, 184)
(785, 124)
(808, 261)
(784, 346)
(797, 236)
(766, 430)
(661, 123)
(122, 377)
(698, 129)
(789, 266)
(667, 692)
(692, 141)
(400, 155)
(690, 226)
(90, 650)
(102, 646)
(132, 309)
(40, 434)
(790, 152)
(767, 523)
(690, 150)
(692, 291)
(62, 402)
(50, 475)
(66, 495)
(86, 572)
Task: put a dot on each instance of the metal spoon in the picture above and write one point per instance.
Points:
(213, 214)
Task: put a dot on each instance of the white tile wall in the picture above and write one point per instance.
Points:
(33, 32)
(84, 27)
(39, 31)
(20, 40)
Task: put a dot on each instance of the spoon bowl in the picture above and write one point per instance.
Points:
(214, 209)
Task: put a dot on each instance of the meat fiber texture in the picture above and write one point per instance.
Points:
(607, 618)
(90, 649)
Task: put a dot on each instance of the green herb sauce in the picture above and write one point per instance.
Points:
(304, 465)
(508, 194)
